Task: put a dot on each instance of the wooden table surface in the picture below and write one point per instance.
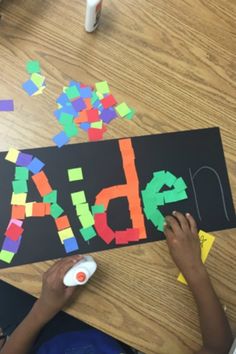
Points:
(174, 61)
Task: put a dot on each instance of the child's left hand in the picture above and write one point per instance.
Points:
(55, 295)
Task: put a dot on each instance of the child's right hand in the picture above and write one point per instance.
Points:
(184, 244)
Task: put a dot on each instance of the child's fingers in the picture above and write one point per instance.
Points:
(57, 266)
(173, 224)
(168, 232)
(182, 220)
(68, 263)
(192, 223)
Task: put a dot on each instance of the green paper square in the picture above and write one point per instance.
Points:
(157, 218)
(6, 256)
(21, 173)
(130, 115)
(149, 210)
(169, 179)
(159, 198)
(66, 119)
(94, 97)
(33, 66)
(180, 185)
(102, 87)
(181, 195)
(72, 92)
(82, 209)
(86, 219)
(88, 233)
(71, 130)
(75, 174)
(170, 196)
(56, 210)
(122, 109)
(50, 197)
(78, 198)
(98, 209)
(20, 186)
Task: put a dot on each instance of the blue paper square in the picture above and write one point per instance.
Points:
(70, 245)
(85, 92)
(35, 165)
(61, 139)
(84, 126)
(65, 109)
(62, 99)
(68, 108)
(97, 104)
(74, 83)
(30, 87)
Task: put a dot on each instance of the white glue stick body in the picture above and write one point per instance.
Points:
(93, 13)
(80, 273)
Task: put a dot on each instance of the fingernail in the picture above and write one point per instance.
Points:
(165, 224)
(174, 212)
(187, 214)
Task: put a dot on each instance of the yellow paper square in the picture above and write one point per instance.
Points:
(12, 155)
(206, 241)
(18, 199)
(64, 234)
(29, 209)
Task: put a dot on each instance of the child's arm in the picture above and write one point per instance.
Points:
(184, 245)
(54, 296)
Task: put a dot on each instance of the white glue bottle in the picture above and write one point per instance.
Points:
(80, 273)
(93, 13)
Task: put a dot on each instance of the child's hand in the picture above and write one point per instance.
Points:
(55, 295)
(184, 245)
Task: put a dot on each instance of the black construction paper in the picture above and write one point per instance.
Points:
(196, 156)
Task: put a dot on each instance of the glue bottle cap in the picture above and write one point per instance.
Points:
(81, 277)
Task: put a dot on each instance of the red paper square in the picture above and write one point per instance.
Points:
(108, 101)
(93, 115)
(95, 134)
(14, 232)
(103, 230)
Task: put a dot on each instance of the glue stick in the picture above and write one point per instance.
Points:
(93, 13)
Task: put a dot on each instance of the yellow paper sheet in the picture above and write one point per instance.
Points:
(18, 199)
(66, 233)
(12, 155)
(29, 209)
(206, 241)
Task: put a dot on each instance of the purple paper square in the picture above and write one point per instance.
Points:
(23, 159)
(78, 104)
(6, 105)
(108, 114)
(10, 245)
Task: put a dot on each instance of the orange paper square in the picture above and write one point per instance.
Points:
(18, 212)
(38, 209)
(62, 222)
